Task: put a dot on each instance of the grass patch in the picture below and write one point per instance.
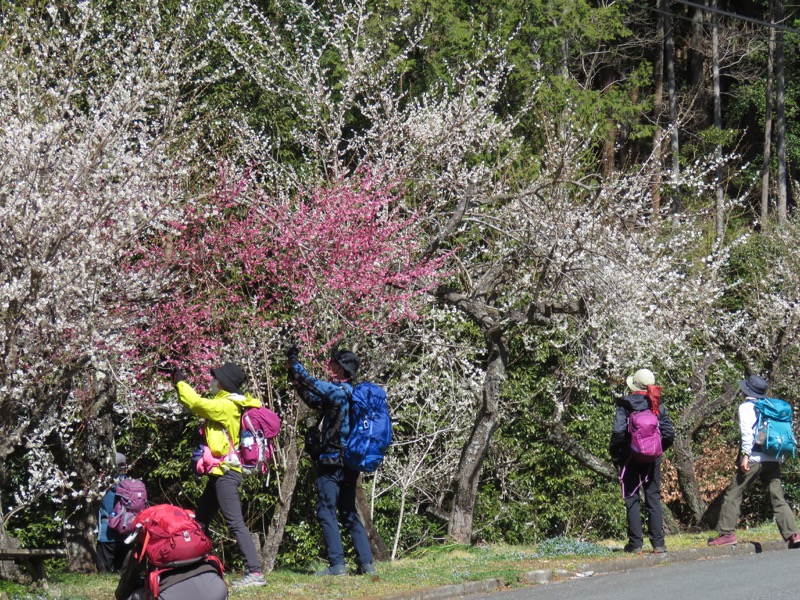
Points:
(426, 568)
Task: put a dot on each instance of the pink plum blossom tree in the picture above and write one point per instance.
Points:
(254, 271)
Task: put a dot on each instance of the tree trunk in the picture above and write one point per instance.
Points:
(720, 198)
(658, 148)
(90, 455)
(669, 61)
(687, 425)
(765, 167)
(8, 569)
(696, 56)
(780, 117)
(80, 537)
(468, 473)
(380, 551)
(285, 485)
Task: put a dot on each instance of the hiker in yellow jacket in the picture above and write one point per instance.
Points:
(222, 413)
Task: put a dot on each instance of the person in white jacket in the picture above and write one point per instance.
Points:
(753, 465)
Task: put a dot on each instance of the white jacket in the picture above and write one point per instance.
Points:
(747, 428)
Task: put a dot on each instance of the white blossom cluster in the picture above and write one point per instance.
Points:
(765, 330)
(331, 66)
(539, 234)
(650, 293)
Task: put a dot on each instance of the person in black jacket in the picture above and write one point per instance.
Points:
(336, 484)
(635, 475)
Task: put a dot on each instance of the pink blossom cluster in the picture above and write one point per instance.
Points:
(345, 257)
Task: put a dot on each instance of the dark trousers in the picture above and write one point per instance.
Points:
(222, 494)
(647, 478)
(336, 493)
(110, 556)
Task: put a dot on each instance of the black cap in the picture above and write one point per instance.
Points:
(230, 377)
(348, 361)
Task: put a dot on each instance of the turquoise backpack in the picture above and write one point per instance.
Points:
(774, 432)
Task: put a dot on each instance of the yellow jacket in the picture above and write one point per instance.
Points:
(222, 414)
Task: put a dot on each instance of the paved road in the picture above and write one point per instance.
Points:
(767, 576)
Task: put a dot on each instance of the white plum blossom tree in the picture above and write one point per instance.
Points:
(93, 106)
(544, 251)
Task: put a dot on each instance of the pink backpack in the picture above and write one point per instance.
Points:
(259, 427)
(644, 431)
(645, 436)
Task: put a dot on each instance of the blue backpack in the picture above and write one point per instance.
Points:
(774, 433)
(370, 428)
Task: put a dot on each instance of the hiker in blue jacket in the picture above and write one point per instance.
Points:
(635, 475)
(111, 548)
(336, 484)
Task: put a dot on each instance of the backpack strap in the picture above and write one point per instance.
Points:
(759, 419)
(641, 481)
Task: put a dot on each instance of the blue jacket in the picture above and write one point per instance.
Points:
(104, 534)
(332, 399)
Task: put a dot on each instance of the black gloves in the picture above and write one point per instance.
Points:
(292, 353)
(177, 375)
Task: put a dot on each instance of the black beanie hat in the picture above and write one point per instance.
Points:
(230, 377)
(349, 361)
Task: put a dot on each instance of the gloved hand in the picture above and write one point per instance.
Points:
(292, 353)
(177, 375)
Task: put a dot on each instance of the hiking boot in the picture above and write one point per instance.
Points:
(660, 550)
(332, 570)
(366, 569)
(632, 549)
(794, 541)
(723, 539)
(251, 579)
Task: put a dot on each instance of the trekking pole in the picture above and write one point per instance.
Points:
(133, 535)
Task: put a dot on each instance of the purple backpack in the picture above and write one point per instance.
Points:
(645, 436)
(130, 500)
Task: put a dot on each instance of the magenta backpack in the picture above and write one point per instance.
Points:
(645, 436)
(259, 426)
(130, 500)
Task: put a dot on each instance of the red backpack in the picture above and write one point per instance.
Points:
(644, 430)
(170, 537)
